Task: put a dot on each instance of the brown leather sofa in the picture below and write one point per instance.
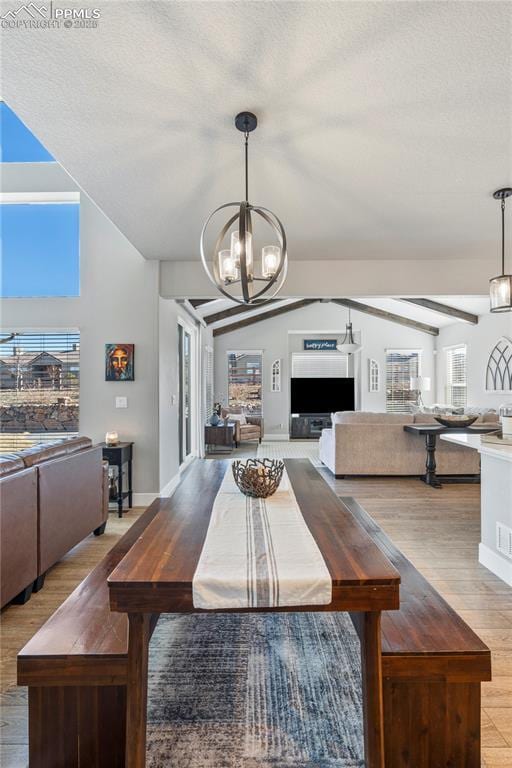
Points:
(52, 496)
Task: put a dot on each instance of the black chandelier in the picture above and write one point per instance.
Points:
(232, 269)
(500, 287)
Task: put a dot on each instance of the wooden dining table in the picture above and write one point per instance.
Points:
(156, 576)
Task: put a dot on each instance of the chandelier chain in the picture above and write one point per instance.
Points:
(246, 166)
(503, 235)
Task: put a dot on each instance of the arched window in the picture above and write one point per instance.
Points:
(275, 376)
(498, 375)
(373, 376)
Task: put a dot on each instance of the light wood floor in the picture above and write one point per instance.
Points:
(437, 529)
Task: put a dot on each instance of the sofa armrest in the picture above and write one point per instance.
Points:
(106, 491)
(257, 421)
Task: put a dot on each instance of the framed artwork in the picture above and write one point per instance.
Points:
(119, 362)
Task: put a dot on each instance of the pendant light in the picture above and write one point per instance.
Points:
(348, 346)
(232, 266)
(500, 287)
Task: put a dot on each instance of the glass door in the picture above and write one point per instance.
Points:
(185, 393)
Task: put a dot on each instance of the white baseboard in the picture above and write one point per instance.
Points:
(495, 563)
(171, 486)
(144, 499)
(276, 436)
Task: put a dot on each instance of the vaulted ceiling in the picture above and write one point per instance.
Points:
(384, 127)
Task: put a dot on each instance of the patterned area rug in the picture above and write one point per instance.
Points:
(294, 449)
(255, 690)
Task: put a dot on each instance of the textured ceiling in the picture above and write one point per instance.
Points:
(384, 126)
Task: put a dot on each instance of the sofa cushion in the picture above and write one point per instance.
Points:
(369, 417)
(41, 453)
(9, 463)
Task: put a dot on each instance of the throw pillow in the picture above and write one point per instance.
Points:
(238, 417)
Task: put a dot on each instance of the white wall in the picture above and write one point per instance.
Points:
(118, 303)
(480, 339)
(272, 337)
(169, 315)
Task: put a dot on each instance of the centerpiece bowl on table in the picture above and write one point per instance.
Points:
(258, 478)
(456, 420)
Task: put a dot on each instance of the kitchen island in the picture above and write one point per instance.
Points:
(495, 549)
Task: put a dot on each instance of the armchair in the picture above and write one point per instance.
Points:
(246, 427)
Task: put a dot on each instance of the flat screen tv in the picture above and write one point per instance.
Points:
(322, 395)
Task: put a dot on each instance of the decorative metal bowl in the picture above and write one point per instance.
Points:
(258, 478)
(454, 420)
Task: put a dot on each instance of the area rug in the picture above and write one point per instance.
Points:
(290, 450)
(255, 690)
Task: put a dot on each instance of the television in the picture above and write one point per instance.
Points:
(316, 395)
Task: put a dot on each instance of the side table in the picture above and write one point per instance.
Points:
(117, 456)
(219, 439)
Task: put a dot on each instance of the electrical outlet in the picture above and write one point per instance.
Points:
(121, 402)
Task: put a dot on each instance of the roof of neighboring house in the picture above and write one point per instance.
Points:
(26, 360)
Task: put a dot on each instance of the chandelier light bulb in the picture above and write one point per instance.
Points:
(270, 256)
(227, 266)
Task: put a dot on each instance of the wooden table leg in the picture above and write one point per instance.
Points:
(430, 466)
(137, 689)
(373, 709)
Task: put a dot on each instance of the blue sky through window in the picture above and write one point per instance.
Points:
(40, 250)
(17, 143)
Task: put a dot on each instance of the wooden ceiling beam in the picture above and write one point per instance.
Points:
(357, 306)
(444, 309)
(263, 316)
(238, 310)
(199, 302)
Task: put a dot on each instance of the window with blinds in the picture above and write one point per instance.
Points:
(319, 365)
(401, 366)
(456, 376)
(208, 383)
(40, 387)
(244, 381)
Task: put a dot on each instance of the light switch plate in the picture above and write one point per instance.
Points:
(121, 402)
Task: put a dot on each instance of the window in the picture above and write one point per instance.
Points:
(275, 376)
(244, 381)
(17, 143)
(39, 383)
(321, 365)
(401, 366)
(373, 376)
(40, 246)
(456, 384)
(208, 383)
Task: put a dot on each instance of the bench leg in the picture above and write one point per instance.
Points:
(139, 632)
(432, 723)
(373, 708)
(75, 726)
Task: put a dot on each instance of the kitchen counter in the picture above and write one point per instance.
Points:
(495, 549)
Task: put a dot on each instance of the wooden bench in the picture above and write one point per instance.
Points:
(75, 668)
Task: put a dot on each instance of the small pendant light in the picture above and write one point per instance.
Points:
(348, 346)
(500, 287)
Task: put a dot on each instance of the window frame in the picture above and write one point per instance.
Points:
(448, 373)
(46, 198)
(255, 352)
(404, 351)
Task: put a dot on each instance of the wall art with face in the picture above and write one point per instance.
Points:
(119, 362)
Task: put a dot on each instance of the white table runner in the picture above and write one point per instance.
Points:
(259, 553)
